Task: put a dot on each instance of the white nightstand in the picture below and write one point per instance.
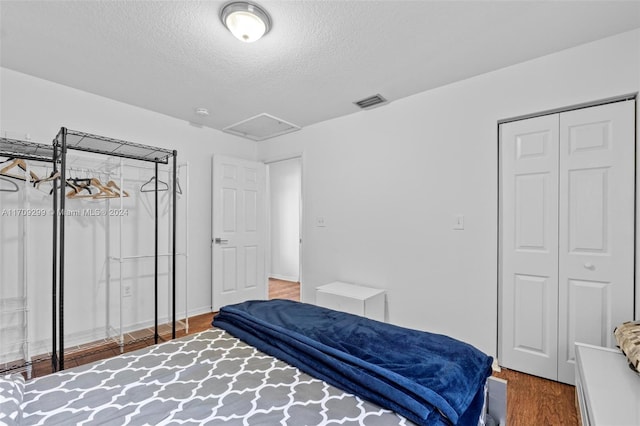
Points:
(354, 299)
(607, 390)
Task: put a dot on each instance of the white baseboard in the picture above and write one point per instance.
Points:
(200, 311)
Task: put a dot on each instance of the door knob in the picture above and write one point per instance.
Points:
(589, 266)
(220, 241)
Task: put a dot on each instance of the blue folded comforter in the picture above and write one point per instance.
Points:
(430, 379)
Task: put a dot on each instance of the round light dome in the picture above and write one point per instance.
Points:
(246, 21)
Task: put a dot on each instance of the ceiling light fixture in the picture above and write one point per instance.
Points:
(246, 21)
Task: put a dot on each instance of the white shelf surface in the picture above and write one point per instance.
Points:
(350, 290)
(609, 388)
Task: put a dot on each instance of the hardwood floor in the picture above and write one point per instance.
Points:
(530, 400)
(280, 289)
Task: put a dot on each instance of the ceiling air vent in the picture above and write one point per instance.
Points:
(371, 101)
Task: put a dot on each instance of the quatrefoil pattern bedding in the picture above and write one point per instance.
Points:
(11, 396)
(207, 378)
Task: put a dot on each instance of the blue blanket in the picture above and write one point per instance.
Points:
(430, 379)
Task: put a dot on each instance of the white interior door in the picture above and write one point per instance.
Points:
(529, 214)
(239, 231)
(596, 245)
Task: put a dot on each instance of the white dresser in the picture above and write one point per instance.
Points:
(607, 390)
(354, 299)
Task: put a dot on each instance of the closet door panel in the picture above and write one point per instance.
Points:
(529, 278)
(587, 210)
(531, 317)
(596, 239)
(589, 314)
(531, 190)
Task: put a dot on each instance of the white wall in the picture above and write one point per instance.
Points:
(284, 195)
(39, 108)
(389, 182)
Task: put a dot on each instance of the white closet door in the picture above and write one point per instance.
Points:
(596, 240)
(529, 214)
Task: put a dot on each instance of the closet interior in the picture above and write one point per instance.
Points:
(79, 214)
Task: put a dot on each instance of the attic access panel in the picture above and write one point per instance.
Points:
(88, 142)
(260, 127)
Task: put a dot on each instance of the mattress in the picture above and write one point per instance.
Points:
(206, 378)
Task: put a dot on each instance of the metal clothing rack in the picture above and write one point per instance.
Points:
(33, 151)
(74, 140)
(27, 150)
(122, 258)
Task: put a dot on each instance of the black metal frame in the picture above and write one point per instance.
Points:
(27, 150)
(75, 140)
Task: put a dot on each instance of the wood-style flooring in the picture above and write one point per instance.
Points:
(280, 289)
(530, 400)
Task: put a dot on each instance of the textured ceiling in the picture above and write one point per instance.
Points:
(320, 56)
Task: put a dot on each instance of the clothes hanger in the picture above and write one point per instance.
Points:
(78, 185)
(53, 176)
(20, 163)
(70, 184)
(83, 184)
(14, 187)
(162, 186)
(105, 191)
(116, 188)
(82, 181)
(14, 162)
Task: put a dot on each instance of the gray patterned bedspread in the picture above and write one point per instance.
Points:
(206, 378)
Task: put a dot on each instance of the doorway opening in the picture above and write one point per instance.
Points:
(285, 223)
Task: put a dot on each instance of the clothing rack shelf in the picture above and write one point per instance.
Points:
(27, 150)
(96, 144)
(75, 140)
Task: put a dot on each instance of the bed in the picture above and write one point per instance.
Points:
(212, 377)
